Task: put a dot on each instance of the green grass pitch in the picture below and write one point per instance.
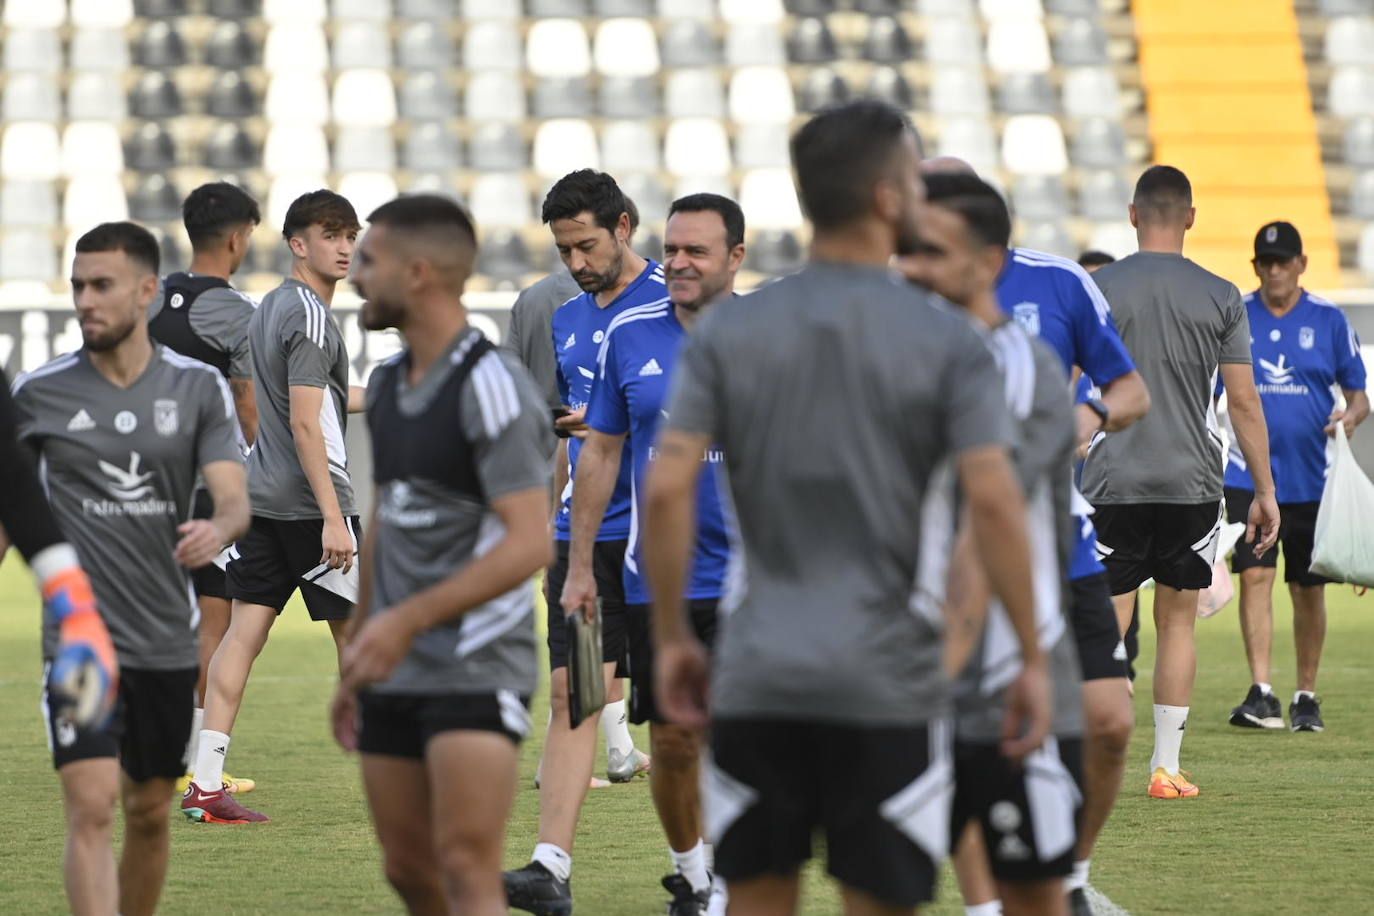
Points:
(1283, 825)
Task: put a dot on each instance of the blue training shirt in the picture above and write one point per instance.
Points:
(579, 328)
(1299, 359)
(1054, 299)
(637, 361)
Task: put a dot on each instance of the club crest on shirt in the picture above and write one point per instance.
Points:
(1307, 338)
(1027, 315)
(165, 417)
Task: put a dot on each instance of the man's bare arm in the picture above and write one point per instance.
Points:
(1126, 398)
(1356, 410)
(966, 602)
(598, 465)
(246, 407)
(1252, 435)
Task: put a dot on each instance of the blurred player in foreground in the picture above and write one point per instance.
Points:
(122, 426)
(826, 662)
(439, 659)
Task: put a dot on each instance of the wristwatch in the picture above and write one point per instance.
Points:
(1097, 407)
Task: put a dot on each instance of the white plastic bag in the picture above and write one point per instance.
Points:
(1217, 595)
(1344, 542)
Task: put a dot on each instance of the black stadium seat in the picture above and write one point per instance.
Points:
(821, 88)
(150, 149)
(811, 42)
(232, 96)
(231, 148)
(155, 200)
(233, 9)
(887, 42)
(161, 9)
(160, 45)
(231, 47)
(155, 96)
(888, 84)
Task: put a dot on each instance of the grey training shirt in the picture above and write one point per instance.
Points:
(220, 316)
(294, 340)
(1179, 322)
(531, 330)
(835, 393)
(119, 465)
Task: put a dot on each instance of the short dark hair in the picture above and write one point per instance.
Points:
(633, 213)
(426, 213)
(583, 191)
(983, 209)
(211, 210)
(323, 208)
(132, 239)
(1163, 192)
(840, 154)
(729, 211)
(1094, 258)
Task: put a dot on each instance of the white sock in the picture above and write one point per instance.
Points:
(555, 859)
(1298, 695)
(193, 743)
(1170, 721)
(692, 865)
(1266, 689)
(991, 908)
(708, 852)
(614, 728)
(1079, 876)
(214, 747)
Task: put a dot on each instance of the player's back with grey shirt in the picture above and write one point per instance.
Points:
(220, 317)
(1037, 393)
(427, 528)
(119, 465)
(294, 340)
(836, 394)
(1179, 322)
(531, 330)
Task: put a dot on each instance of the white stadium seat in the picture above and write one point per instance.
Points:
(93, 199)
(361, 45)
(364, 149)
(28, 203)
(32, 97)
(494, 96)
(696, 146)
(766, 11)
(41, 49)
(295, 147)
(557, 48)
(1351, 92)
(491, 46)
(297, 98)
(364, 98)
(30, 150)
(1350, 40)
(759, 94)
(694, 93)
(959, 91)
(367, 191)
(1091, 92)
(93, 96)
(114, 14)
(768, 198)
(953, 40)
(366, 10)
(762, 146)
(1010, 9)
(286, 188)
(295, 46)
(1034, 145)
(27, 254)
(274, 11)
(971, 139)
(91, 148)
(35, 14)
(501, 199)
(626, 47)
(563, 145)
(1116, 238)
(629, 146)
(1018, 46)
(491, 9)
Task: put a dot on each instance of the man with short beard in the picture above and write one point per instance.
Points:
(587, 214)
(702, 251)
(440, 661)
(122, 426)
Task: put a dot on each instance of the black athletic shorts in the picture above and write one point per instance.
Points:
(1029, 813)
(400, 725)
(1101, 652)
(208, 580)
(148, 729)
(1297, 533)
(1175, 545)
(640, 661)
(881, 794)
(276, 557)
(608, 568)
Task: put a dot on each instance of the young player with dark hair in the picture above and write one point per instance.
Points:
(123, 426)
(199, 314)
(826, 660)
(305, 529)
(1157, 486)
(439, 660)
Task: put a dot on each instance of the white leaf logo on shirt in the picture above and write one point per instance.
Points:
(130, 484)
(1277, 373)
(586, 373)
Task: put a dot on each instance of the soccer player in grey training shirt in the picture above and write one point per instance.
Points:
(1027, 816)
(122, 426)
(1157, 486)
(199, 314)
(442, 641)
(305, 526)
(838, 395)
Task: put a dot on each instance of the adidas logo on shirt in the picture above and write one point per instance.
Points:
(651, 368)
(81, 422)
(568, 344)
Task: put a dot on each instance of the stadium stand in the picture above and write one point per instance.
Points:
(1059, 101)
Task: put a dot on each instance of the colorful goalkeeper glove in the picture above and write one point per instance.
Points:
(85, 674)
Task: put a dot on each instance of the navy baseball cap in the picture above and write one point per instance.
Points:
(1278, 239)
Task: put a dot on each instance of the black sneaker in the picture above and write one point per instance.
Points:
(1260, 710)
(685, 902)
(1078, 902)
(535, 890)
(1305, 715)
